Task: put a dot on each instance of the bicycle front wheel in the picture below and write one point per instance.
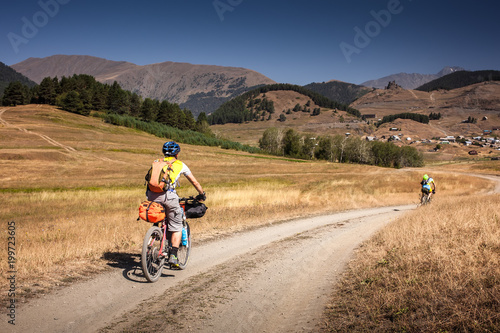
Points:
(184, 250)
(151, 261)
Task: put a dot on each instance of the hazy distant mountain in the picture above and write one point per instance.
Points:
(8, 75)
(200, 88)
(410, 81)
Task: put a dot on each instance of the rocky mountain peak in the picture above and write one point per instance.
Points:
(448, 70)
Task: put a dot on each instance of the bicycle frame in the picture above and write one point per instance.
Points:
(164, 249)
(164, 230)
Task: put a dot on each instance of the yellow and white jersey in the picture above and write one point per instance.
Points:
(178, 169)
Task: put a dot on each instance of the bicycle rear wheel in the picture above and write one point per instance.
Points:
(425, 199)
(151, 262)
(184, 250)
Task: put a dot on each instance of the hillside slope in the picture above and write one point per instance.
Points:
(342, 92)
(200, 88)
(460, 79)
(328, 121)
(480, 101)
(8, 75)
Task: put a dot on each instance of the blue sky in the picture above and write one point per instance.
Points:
(289, 41)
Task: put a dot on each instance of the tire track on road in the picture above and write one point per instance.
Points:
(102, 301)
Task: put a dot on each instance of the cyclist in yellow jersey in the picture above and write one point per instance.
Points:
(169, 197)
(428, 186)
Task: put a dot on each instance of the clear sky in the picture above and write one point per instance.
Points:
(289, 41)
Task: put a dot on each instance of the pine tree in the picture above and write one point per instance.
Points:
(117, 100)
(148, 111)
(71, 102)
(47, 92)
(99, 97)
(135, 104)
(202, 117)
(86, 98)
(189, 121)
(14, 94)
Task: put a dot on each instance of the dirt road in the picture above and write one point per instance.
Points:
(273, 279)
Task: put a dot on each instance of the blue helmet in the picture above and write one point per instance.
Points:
(171, 148)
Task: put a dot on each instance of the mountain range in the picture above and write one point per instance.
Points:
(410, 81)
(200, 88)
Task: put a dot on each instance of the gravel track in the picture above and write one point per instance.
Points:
(275, 278)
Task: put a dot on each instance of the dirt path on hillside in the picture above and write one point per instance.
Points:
(438, 129)
(51, 141)
(276, 278)
(44, 137)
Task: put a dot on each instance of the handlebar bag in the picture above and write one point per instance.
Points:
(195, 210)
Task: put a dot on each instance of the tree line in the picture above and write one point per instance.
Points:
(338, 148)
(259, 108)
(421, 118)
(236, 110)
(460, 79)
(342, 92)
(176, 134)
(435, 116)
(82, 93)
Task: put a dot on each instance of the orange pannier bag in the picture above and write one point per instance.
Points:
(151, 211)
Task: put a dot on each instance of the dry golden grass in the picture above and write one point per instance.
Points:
(435, 270)
(74, 212)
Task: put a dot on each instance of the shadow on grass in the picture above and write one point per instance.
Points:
(130, 263)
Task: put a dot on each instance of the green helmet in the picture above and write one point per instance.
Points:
(426, 177)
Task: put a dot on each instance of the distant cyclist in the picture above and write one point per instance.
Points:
(428, 186)
(169, 171)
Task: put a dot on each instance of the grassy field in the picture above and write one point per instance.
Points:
(74, 199)
(435, 270)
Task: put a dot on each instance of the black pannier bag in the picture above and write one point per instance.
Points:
(195, 210)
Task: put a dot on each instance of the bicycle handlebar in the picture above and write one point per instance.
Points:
(190, 198)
